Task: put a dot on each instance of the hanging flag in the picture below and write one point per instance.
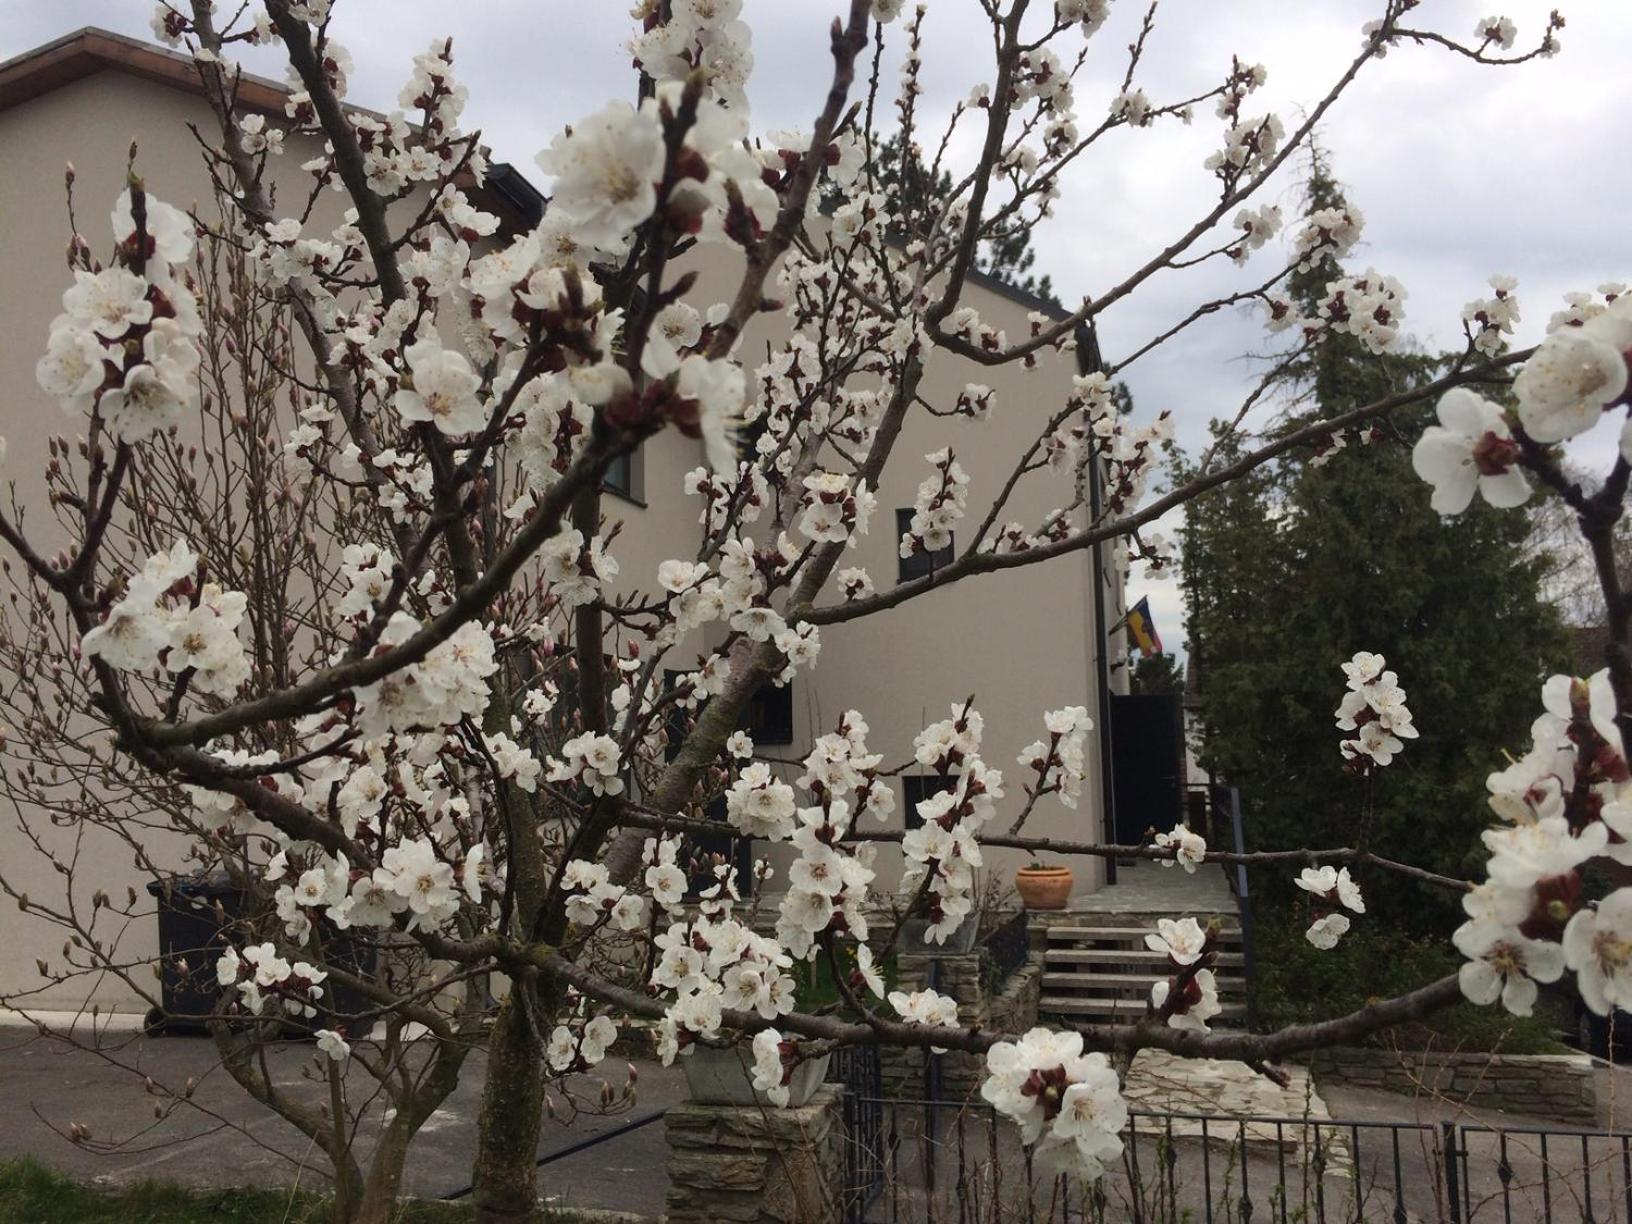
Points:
(1143, 630)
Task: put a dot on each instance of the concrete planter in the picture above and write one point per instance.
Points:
(1043, 888)
(724, 1077)
(914, 930)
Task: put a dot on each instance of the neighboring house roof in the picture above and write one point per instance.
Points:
(87, 51)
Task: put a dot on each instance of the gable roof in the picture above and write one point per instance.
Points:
(90, 50)
(79, 54)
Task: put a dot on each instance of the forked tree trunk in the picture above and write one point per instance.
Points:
(375, 1202)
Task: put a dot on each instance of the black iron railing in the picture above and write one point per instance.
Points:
(940, 1160)
(1218, 808)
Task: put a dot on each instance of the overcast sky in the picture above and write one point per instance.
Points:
(1461, 170)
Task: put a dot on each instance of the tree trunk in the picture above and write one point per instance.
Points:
(377, 1202)
(512, 1112)
(376, 1198)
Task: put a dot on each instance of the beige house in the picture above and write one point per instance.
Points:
(1022, 642)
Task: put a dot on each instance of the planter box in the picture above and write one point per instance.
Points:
(724, 1077)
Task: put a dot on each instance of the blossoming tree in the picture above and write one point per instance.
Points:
(452, 732)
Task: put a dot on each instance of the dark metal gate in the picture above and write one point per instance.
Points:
(861, 1072)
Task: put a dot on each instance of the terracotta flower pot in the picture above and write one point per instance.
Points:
(1043, 888)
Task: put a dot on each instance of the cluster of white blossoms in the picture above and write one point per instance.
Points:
(576, 571)
(1368, 307)
(168, 617)
(759, 804)
(1491, 319)
(1577, 374)
(1088, 14)
(1060, 761)
(774, 1062)
(1335, 891)
(941, 502)
(592, 760)
(1568, 800)
(835, 511)
(1189, 999)
(927, 1007)
(1248, 146)
(829, 883)
(126, 344)
(943, 852)
(708, 37)
(450, 684)
(1327, 233)
(711, 962)
(260, 975)
(1188, 848)
(580, 1045)
(592, 899)
(1068, 1104)
(1374, 708)
(1499, 31)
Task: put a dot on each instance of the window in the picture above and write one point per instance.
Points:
(768, 716)
(620, 475)
(918, 787)
(920, 563)
(698, 848)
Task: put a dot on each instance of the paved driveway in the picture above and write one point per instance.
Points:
(228, 1139)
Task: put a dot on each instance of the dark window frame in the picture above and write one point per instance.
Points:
(619, 476)
(919, 564)
(915, 788)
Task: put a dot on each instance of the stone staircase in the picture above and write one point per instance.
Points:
(1097, 970)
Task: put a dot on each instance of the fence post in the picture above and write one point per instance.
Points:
(1453, 1174)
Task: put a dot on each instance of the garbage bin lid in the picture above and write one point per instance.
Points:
(212, 883)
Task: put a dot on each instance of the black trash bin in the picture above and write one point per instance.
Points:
(1593, 1033)
(191, 941)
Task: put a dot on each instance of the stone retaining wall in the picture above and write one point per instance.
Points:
(747, 1165)
(1557, 1086)
(960, 976)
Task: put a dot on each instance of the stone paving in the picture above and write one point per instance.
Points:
(1159, 1081)
(1150, 888)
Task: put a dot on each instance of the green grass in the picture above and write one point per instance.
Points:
(32, 1194)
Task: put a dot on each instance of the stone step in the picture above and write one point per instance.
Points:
(1119, 1010)
(1227, 983)
(1125, 956)
(1064, 934)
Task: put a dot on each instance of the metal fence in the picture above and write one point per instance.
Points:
(1005, 948)
(938, 1162)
